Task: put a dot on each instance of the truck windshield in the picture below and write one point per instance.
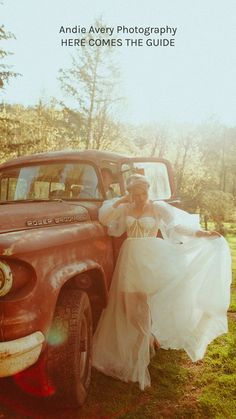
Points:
(157, 174)
(49, 181)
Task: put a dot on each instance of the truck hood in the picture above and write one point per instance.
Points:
(27, 215)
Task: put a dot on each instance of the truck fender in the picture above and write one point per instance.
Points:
(60, 275)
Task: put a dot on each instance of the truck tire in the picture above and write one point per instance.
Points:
(70, 348)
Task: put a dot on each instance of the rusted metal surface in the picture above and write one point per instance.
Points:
(97, 157)
(14, 217)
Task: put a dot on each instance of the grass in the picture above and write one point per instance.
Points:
(218, 380)
(180, 388)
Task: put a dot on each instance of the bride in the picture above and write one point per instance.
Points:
(173, 293)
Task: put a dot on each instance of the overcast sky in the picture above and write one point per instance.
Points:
(187, 83)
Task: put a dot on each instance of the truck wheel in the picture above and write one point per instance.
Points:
(70, 348)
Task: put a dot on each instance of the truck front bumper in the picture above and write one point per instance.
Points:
(17, 355)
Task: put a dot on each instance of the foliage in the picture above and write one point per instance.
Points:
(30, 130)
(5, 70)
(204, 162)
(218, 206)
(43, 128)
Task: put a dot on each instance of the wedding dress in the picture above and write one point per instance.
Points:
(177, 289)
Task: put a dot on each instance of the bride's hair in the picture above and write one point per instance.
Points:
(137, 180)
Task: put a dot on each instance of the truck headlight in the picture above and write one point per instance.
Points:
(5, 278)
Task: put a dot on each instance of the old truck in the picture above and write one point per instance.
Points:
(56, 262)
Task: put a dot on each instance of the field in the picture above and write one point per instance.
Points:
(180, 388)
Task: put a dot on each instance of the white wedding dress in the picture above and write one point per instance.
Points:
(177, 289)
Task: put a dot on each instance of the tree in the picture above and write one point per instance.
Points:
(33, 129)
(152, 139)
(218, 206)
(217, 147)
(90, 82)
(5, 70)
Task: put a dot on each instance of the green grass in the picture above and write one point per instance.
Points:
(218, 379)
(232, 242)
(113, 399)
(180, 389)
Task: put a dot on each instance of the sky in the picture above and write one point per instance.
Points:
(188, 83)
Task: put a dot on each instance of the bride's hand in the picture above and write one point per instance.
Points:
(126, 199)
(202, 233)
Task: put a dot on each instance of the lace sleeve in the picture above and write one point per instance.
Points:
(113, 218)
(176, 223)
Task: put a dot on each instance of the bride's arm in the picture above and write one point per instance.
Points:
(112, 214)
(180, 222)
(112, 209)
